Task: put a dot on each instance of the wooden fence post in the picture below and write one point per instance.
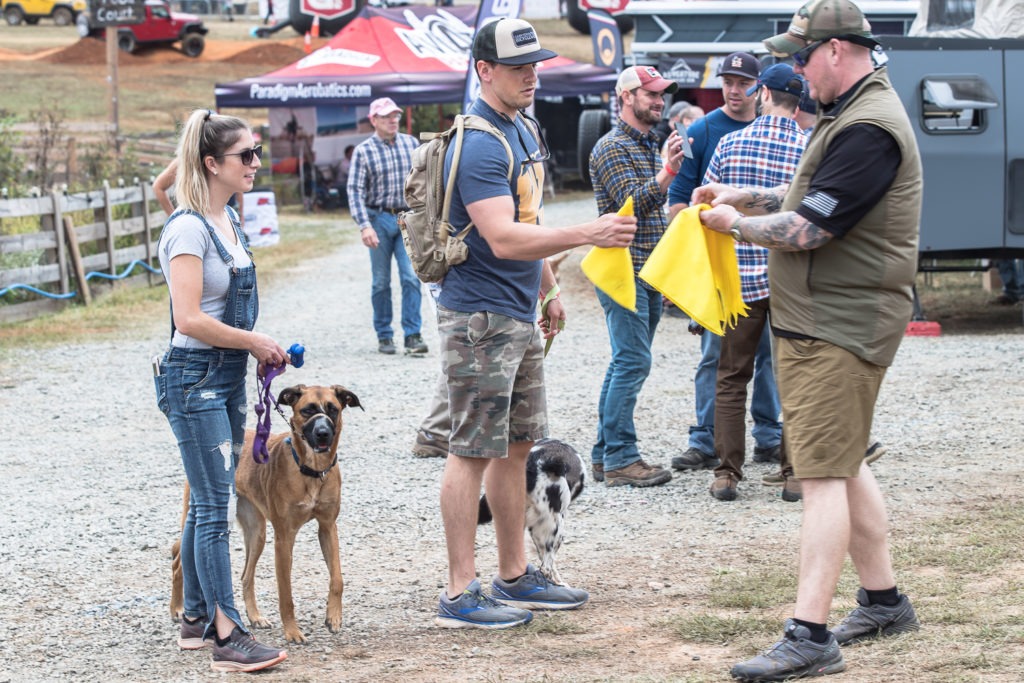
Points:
(76, 260)
(108, 223)
(58, 228)
(147, 222)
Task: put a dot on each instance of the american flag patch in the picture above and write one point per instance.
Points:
(821, 203)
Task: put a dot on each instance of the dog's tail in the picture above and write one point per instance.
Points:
(484, 515)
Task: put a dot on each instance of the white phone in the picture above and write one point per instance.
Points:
(687, 150)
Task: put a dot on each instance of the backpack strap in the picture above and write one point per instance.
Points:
(472, 122)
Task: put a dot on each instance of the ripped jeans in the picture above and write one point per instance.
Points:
(202, 393)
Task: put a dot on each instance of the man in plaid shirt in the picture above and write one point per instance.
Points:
(765, 154)
(627, 162)
(376, 195)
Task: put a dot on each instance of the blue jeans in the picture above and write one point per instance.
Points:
(764, 404)
(202, 393)
(631, 335)
(386, 226)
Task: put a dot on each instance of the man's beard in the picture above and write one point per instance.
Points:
(646, 116)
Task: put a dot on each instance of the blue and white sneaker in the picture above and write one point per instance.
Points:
(473, 609)
(532, 590)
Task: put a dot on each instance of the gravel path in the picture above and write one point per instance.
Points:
(91, 493)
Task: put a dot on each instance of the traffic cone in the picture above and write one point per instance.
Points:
(307, 43)
(316, 26)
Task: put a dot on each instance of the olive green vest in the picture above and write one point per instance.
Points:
(855, 292)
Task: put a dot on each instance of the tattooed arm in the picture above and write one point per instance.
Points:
(751, 201)
(788, 231)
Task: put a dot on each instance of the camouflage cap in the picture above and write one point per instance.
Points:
(820, 20)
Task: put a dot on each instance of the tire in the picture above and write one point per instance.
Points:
(577, 17)
(82, 25)
(62, 16)
(126, 41)
(13, 16)
(192, 44)
(594, 123)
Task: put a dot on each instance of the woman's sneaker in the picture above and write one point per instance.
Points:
(191, 637)
(532, 590)
(242, 653)
(473, 609)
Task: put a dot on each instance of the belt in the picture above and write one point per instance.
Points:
(385, 209)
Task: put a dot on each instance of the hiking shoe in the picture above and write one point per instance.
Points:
(795, 656)
(768, 454)
(869, 621)
(774, 479)
(191, 637)
(792, 490)
(723, 488)
(695, 459)
(414, 345)
(473, 609)
(532, 590)
(386, 346)
(426, 446)
(241, 652)
(598, 469)
(638, 474)
(874, 452)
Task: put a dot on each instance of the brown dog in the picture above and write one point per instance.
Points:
(300, 482)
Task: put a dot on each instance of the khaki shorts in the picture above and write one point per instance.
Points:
(494, 367)
(828, 401)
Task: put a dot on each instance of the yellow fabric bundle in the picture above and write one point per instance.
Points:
(611, 268)
(696, 270)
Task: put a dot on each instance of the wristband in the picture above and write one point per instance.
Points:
(735, 231)
(552, 294)
(668, 169)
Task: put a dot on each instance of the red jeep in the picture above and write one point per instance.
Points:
(161, 27)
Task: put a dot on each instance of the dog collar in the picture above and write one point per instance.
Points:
(309, 471)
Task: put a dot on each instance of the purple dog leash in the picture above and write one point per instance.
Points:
(266, 400)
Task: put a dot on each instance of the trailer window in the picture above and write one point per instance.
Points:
(956, 104)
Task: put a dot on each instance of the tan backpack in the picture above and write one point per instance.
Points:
(429, 238)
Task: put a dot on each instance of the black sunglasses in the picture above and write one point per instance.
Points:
(801, 57)
(246, 155)
(544, 152)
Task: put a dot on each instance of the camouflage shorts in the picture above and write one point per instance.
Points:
(494, 366)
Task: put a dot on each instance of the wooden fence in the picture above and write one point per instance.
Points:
(68, 245)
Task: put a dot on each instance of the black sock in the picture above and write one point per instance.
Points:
(819, 632)
(889, 597)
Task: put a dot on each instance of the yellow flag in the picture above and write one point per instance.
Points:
(611, 268)
(696, 269)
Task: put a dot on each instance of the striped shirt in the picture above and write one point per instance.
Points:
(625, 162)
(765, 154)
(377, 175)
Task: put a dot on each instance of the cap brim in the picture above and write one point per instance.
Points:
(784, 44)
(662, 85)
(530, 58)
(753, 89)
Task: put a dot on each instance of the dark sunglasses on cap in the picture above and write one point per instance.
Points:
(246, 155)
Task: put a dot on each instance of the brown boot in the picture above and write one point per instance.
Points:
(638, 474)
(792, 490)
(723, 487)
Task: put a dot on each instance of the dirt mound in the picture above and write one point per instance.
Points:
(268, 54)
(85, 51)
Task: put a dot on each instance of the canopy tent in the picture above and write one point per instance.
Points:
(414, 55)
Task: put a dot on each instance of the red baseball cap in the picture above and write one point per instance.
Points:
(646, 77)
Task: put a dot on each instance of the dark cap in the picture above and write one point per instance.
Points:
(509, 41)
(740, 64)
(807, 103)
(821, 20)
(779, 77)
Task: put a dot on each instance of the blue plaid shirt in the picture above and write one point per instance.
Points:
(765, 154)
(377, 175)
(625, 162)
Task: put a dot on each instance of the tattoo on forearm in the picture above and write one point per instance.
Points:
(763, 202)
(790, 232)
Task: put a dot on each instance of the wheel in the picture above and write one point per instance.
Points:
(62, 16)
(593, 124)
(13, 15)
(577, 17)
(82, 25)
(192, 44)
(126, 41)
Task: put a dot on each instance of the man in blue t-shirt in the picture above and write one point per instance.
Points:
(739, 72)
(491, 350)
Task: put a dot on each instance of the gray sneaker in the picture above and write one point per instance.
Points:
(869, 621)
(532, 590)
(242, 653)
(191, 637)
(473, 609)
(695, 459)
(414, 345)
(386, 346)
(795, 656)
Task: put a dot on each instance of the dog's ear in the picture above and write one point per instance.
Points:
(290, 395)
(346, 397)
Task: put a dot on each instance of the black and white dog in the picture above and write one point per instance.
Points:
(554, 477)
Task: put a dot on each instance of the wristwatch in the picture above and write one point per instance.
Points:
(735, 232)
